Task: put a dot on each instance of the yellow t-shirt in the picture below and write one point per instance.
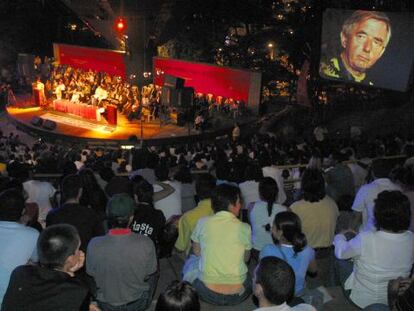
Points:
(3, 167)
(223, 240)
(318, 220)
(188, 222)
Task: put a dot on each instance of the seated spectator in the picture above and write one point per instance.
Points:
(84, 219)
(317, 211)
(179, 296)
(40, 192)
(339, 178)
(262, 214)
(204, 186)
(187, 189)
(366, 279)
(92, 194)
(250, 188)
(52, 285)
(123, 264)
(221, 246)
(17, 242)
(274, 286)
(364, 199)
(276, 173)
(318, 214)
(170, 205)
(291, 246)
(147, 220)
(118, 185)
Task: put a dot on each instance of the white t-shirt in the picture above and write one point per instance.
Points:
(40, 192)
(364, 200)
(276, 174)
(259, 218)
(373, 265)
(249, 191)
(170, 205)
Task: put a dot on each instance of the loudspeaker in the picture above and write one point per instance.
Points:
(186, 97)
(173, 82)
(49, 125)
(180, 119)
(36, 121)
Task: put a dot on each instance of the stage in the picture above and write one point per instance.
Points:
(77, 129)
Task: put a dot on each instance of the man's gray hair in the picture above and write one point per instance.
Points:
(360, 16)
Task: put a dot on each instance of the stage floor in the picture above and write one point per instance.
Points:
(74, 126)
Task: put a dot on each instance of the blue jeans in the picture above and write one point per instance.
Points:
(214, 298)
(138, 305)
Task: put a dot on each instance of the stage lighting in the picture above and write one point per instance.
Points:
(120, 24)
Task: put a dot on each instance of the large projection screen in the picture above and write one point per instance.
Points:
(367, 47)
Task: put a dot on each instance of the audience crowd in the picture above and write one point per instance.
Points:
(83, 228)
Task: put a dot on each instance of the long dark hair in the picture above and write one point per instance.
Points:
(289, 223)
(268, 191)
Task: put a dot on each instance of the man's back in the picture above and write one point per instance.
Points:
(318, 220)
(188, 222)
(34, 288)
(120, 261)
(18, 246)
(223, 241)
(171, 205)
(82, 218)
(364, 200)
(40, 192)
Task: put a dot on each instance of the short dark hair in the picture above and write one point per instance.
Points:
(56, 243)
(313, 185)
(205, 184)
(392, 211)
(253, 172)
(382, 168)
(277, 280)
(223, 196)
(179, 296)
(162, 172)
(11, 205)
(71, 185)
(142, 189)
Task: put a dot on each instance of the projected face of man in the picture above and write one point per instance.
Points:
(363, 45)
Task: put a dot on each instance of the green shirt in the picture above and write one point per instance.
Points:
(223, 240)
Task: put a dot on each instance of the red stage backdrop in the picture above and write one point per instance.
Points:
(109, 61)
(204, 78)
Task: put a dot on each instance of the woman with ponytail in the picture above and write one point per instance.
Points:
(291, 246)
(263, 212)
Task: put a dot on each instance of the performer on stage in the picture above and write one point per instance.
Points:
(39, 93)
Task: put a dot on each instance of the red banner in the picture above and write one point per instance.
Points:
(205, 78)
(109, 61)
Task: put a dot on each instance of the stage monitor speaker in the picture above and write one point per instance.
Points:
(49, 125)
(36, 121)
(180, 119)
(175, 98)
(187, 97)
(173, 82)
